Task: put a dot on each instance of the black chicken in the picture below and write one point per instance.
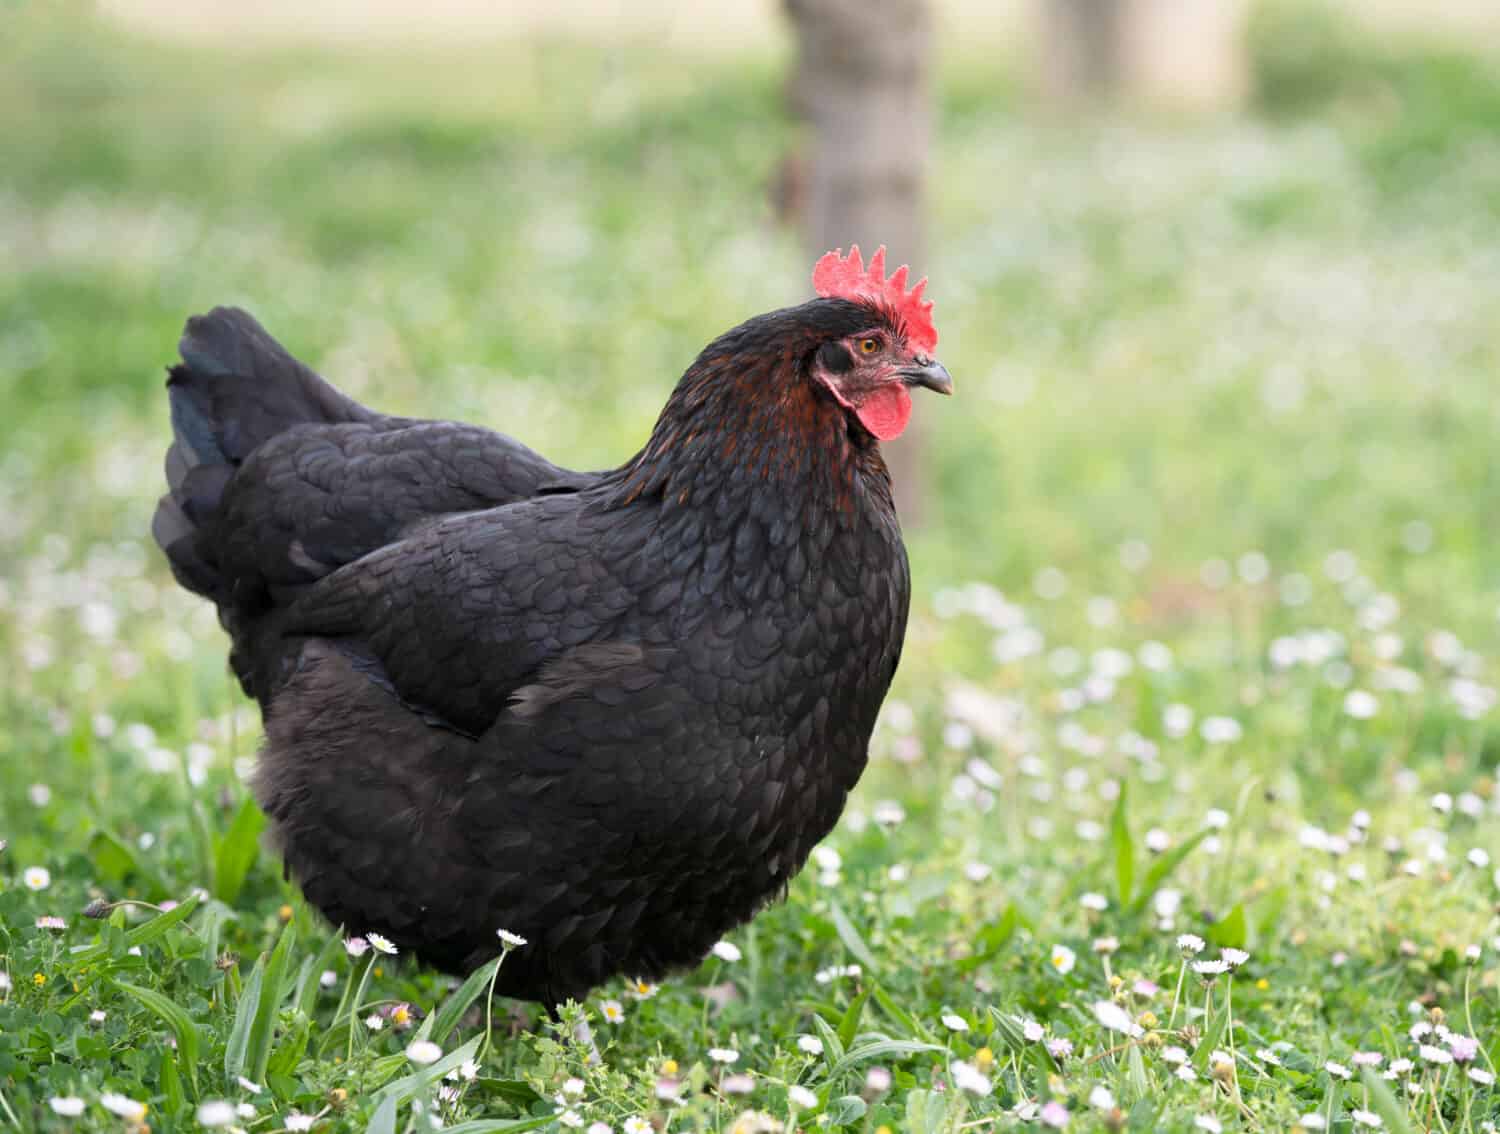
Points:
(611, 712)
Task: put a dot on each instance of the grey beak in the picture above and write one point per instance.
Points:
(931, 374)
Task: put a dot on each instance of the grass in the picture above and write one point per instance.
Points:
(1204, 640)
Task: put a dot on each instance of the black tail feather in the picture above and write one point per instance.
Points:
(235, 389)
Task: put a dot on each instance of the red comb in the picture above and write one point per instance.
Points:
(841, 278)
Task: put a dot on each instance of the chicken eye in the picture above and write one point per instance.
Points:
(869, 346)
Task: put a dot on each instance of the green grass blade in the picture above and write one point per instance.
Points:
(897, 1049)
(1384, 1103)
(238, 1044)
(1160, 870)
(263, 1032)
(851, 938)
(448, 1016)
(849, 1025)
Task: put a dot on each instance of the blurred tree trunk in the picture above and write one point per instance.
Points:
(863, 83)
(1182, 53)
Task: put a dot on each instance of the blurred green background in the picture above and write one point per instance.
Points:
(1270, 330)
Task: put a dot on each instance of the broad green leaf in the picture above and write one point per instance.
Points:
(500, 1125)
(176, 1018)
(896, 1012)
(237, 851)
(849, 935)
(925, 1111)
(899, 1049)
(833, 1047)
(1123, 849)
(404, 1088)
(383, 1121)
(1384, 1103)
(1229, 932)
(291, 1049)
(992, 938)
(238, 1044)
(1161, 869)
(171, 1082)
(845, 1109)
(263, 1031)
(1212, 1034)
(143, 934)
(849, 1025)
(446, 1018)
(1135, 1073)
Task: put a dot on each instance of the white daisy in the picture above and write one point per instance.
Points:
(508, 939)
(967, 1077)
(424, 1052)
(381, 944)
(727, 951)
(1063, 959)
(126, 1108)
(36, 877)
(69, 1106)
(215, 1112)
(801, 1098)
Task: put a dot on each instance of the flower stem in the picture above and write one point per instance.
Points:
(1176, 996)
(367, 962)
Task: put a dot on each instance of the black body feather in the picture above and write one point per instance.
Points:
(610, 712)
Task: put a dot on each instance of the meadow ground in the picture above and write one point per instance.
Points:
(1204, 646)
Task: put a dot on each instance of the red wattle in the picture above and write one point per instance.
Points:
(885, 410)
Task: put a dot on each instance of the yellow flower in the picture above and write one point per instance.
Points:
(984, 1059)
(39, 979)
(1262, 984)
(669, 1067)
(285, 913)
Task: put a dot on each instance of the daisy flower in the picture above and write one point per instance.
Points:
(740, 1084)
(638, 1125)
(1338, 1070)
(215, 1112)
(614, 1012)
(723, 1055)
(356, 946)
(967, 1077)
(727, 951)
(424, 1052)
(297, 1122)
(508, 939)
(1055, 1115)
(1116, 1019)
(954, 1022)
(810, 1045)
(68, 1106)
(381, 944)
(36, 877)
(1190, 944)
(1063, 959)
(801, 1098)
(126, 1108)
(643, 989)
(48, 921)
